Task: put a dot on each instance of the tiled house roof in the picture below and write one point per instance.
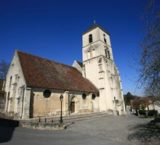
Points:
(43, 73)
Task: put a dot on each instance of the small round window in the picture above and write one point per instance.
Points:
(93, 96)
(47, 93)
(84, 96)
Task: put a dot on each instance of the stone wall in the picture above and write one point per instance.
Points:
(51, 106)
(14, 87)
(45, 106)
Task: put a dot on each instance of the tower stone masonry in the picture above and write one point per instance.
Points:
(100, 69)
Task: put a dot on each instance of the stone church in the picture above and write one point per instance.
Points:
(34, 85)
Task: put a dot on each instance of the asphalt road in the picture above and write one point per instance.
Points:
(107, 130)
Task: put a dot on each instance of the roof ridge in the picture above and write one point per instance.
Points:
(53, 61)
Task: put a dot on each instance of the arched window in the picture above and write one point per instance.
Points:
(90, 38)
(10, 82)
(104, 38)
(107, 53)
(84, 96)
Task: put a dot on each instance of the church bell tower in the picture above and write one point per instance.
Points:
(99, 68)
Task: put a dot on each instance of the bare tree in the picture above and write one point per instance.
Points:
(150, 59)
(3, 69)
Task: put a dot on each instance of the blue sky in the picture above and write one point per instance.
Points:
(53, 29)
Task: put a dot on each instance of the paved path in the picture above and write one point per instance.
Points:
(106, 130)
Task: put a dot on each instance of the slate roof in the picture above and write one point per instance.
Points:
(95, 26)
(43, 73)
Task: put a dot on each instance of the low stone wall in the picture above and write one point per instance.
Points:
(43, 126)
(53, 123)
(43, 123)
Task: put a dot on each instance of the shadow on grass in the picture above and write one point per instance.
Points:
(6, 129)
(146, 134)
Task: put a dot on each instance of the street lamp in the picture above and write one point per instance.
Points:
(61, 117)
(115, 103)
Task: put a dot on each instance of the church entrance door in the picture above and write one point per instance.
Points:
(72, 107)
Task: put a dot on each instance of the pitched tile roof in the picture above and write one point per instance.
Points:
(43, 73)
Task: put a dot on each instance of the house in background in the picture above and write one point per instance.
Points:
(156, 106)
(34, 84)
(145, 103)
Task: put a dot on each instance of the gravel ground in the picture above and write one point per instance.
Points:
(106, 130)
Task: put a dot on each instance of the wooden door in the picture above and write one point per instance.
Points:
(72, 107)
